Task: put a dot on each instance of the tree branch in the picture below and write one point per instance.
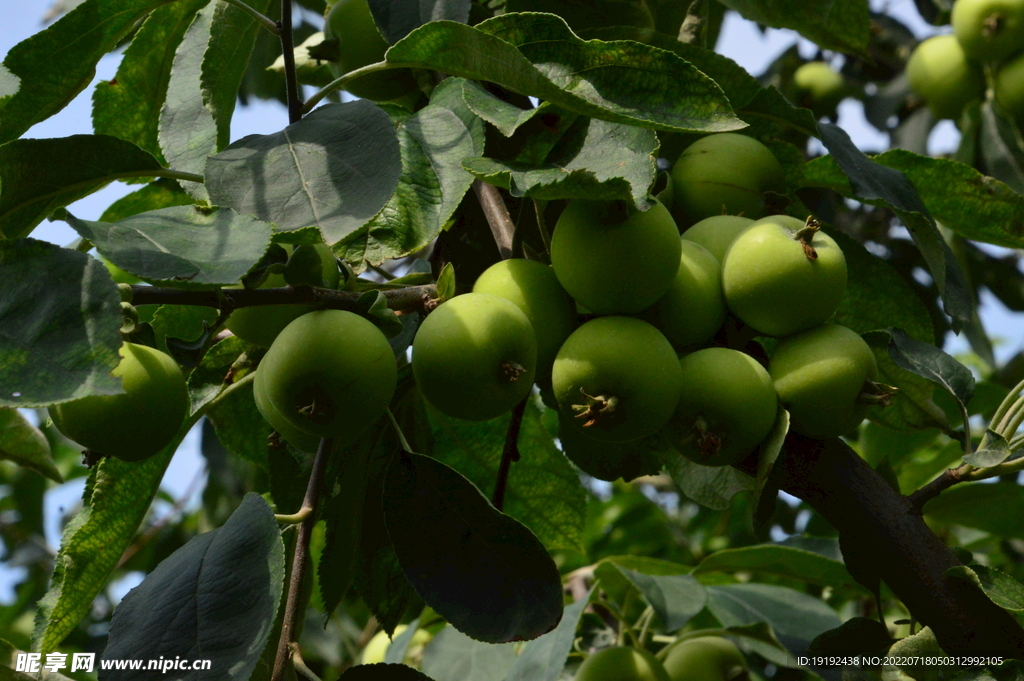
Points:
(498, 218)
(291, 80)
(949, 477)
(509, 454)
(409, 299)
(880, 522)
(293, 612)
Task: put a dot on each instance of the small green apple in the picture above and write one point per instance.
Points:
(1009, 87)
(621, 664)
(938, 72)
(989, 30)
(475, 356)
(717, 233)
(301, 440)
(704, 658)
(693, 309)
(819, 87)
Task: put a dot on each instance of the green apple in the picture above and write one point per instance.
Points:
(781, 276)
(614, 259)
(475, 356)
(260, 324)
(137, 423)
(535, 290)
(725, 174)
(989, 31)
(1009, 87)
(819, 87)
(693, 309)
(618, 378)
(704, 658)
(821, 376)
(717, 233)
(938, 72)
(361, 44)
(330, 373)
(621, 664)
(727, 407)
(377, 649)
(301, 440)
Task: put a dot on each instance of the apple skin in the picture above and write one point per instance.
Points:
(989, 31)
(819, 375)
(938, 71)
(693, 309)
(725, 174)
(361, 44)
(819, 87)
(336, 360)
(535, 290)
(732, 395)
(1009, 87)
(301, 440)
(613, 259)
(704, 658)
(138, 423)
(621, 664)
(717, 233)
(465, 352)
(771, 284)
(619, 357)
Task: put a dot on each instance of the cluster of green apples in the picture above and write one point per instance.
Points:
(948, 71)
(702, 658)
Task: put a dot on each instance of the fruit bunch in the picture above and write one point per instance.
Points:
(702, 658)
(948, 71)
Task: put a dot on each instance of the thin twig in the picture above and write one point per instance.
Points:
(398, 431)
(291, 81)
(509, 454)
(343, 80)
(264, 21)
(542, 225)
(407, 299)
(292, 612)
(497, 215)
(949, 477)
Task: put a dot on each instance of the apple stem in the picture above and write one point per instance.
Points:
(805, 235)
(877, 393)
(595, 408)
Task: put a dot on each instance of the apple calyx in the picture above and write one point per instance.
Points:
(314, 410)
(877, 393)
(993, 24)
(595, 408)
(708, 444)
(512, 371)
(805, 235)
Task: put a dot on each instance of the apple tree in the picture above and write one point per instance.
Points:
(544, 342)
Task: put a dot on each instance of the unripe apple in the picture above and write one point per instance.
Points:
(618, 378)
(621, 664)
(717, 233)
(819, 87)
(989, 30)
(693, 309)
(1009, 87)
(612, 258)
(535, 290)
(781, 276)
(260, 324)
(704, 658)
(475, 356)
(938, 72)
(330, 373)
(138, 423)
(301, 440)
(361, 44)
(821, 376)
(725, 174)
(727, 407)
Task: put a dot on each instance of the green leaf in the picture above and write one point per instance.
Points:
(162, 193)
(432, 144)
(116, 499)
(182, 245)
(129, 106)
(592, 159)
(1004, 590)
(216, 597)
(1001, 146)
(8, 663)
(383, 672)
(506, 117)
(537, 55)
(56, 64)
(611, 572)
(675, 598)
(996, 451)
(40, 176)
(766, 490)
(993, 508)
(788, 612)
(397, 18)
(543, 659)
(60, 313)
(841, 25)
(932, 363)
(209, 378)
(484, 572)
(446, 283)
(543, 491)
(782, 561)
(876, 184)
(856, 635)
(453, 656)
(334, 169)
(770, 106)
(25, 445)
(241, 428)
(709, 486)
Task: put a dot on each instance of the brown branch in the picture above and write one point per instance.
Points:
(291, 81)
(498, 218)
(949, 477)
(509, 454)
(293, 613)
(407, 299)
(883, 526)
